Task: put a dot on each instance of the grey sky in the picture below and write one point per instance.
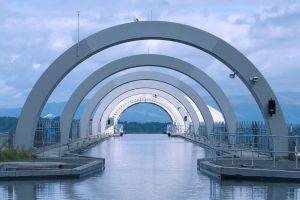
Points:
(34, 33)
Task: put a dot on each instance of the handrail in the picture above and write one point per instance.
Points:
(257, 144)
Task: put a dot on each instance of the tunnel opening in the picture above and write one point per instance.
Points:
(145, 118)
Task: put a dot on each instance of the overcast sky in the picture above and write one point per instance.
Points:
(34, 33)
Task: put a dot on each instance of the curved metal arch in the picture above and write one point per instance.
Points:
(110, 104)
(133, 102)
(148, 60)
(141, 75)
(104, 39)
(168, 92)
(132, 97)
(144, 98)
(139, 101)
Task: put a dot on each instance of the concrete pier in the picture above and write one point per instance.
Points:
(283, 170)
(56, 162)
(51, 168)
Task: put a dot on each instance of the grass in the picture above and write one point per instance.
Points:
(12, 154)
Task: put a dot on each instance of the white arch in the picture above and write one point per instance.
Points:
(144, 75)
(131, 98)
(146, 85)
(143, 98)
(155, 61)
(218, 48)
(109, 107)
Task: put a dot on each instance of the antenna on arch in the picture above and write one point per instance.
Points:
(77, 50)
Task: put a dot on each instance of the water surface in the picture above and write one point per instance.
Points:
(146, 167)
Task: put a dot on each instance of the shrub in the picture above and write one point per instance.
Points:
(12, 154)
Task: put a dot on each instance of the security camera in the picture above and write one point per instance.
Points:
(232, 75)
(253, 79)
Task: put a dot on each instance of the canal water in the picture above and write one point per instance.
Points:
(148, 166)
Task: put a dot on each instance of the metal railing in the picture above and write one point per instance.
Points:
(6, 140)
(73, 144)
(252, 147)
(118, 129)
(47, 132)
(202, 131)
(180, 129)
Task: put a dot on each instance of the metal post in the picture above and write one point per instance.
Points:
(296, 152)
(241, 152)
(252, 161)
(78, 12)
(274, 157)
(233, 152)
(59, 150)
(215, 150)
(211, 147)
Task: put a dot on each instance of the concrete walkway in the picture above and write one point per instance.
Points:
(75, 146)
(51, 168)
(56, 162)
(283, 170)
(244, 165)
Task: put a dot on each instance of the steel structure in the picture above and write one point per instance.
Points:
(142, 75)
(104, 39)
(133, 97)
(155, 61)
(172, 95)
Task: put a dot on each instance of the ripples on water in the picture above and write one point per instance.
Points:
(147, 167)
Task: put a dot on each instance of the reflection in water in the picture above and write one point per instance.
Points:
(230, 189)
(148, 167)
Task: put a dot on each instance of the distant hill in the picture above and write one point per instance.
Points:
(149, 127)
(145, 112)
(246, 108)
(53, 108)
(244, 105)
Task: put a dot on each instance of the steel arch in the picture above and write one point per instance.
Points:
(168, 92)
(104, 39)
(144, 75)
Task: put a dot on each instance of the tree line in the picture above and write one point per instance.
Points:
(138, 127)
(8, 123)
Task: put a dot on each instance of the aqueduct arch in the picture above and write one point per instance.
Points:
(143, 86)
(155, 61)
(140, 98)
(148, 98)
(144, 75)
(163, 100)
(197, 38)
(144, 98)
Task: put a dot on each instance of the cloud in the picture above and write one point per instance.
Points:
(9, 91)
(36, 65)
(38, 32)
(14, 57)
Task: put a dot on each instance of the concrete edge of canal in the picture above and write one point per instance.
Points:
(51, 168)
(57, 162)
(246, 169)
(223, 170)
